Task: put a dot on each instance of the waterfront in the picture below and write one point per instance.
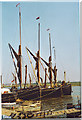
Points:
(54, 103)
(55, 50)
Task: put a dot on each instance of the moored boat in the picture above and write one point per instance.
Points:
(7, 96)
(67, 89)
(36, 92)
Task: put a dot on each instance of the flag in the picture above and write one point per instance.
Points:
(17, 4)
(12, 81)
(37, 18)
(48, 29)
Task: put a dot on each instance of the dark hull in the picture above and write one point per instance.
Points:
(36, 93)
(74, 115)
(66, 89)
(51, 93)
(8, 97)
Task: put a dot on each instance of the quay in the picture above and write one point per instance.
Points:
(25, 114)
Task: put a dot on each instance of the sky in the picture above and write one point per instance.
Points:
(0, 35)
(63, 20)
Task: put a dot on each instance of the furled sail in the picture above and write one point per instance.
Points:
(17, 56)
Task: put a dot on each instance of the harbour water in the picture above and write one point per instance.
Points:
(61, 103)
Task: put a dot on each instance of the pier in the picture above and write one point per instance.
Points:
(25, 113)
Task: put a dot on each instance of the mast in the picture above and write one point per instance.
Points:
(65, 76)
(18, 56)
(25, 75)
(54, 55)
(55, 74)
(50, 62)
(50, 71)
(39, 36)
(55, 70)
(38, 54)
(20, 23)
(30, 79)
(45, 77)
(20, 53)
(50, 45)
(37, 59)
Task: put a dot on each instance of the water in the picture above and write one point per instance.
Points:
(61, 103)
(76, 94)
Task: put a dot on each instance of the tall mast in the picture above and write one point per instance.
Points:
(50, 61)
(45, 77)
(65, 76)
(54, 55)
(39, 36)
(50, 45)
(39, 53)
(20, 53)
(30, 79)
(25, 75)
(20, 23)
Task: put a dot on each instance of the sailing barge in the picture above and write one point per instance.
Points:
(7, 96)
(38, 91)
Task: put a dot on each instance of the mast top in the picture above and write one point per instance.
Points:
(50, 45)
(20, 23)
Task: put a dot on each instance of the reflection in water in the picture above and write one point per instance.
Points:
(76, 94)
(57, 103)
(61, 102)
